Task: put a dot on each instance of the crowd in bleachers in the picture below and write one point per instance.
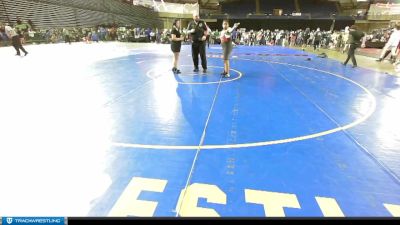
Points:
(105, 32)
(379, 35)
(326, 39)
(113, 32)
(302, 37)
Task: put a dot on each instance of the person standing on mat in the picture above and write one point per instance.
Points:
(199, 31)
(208, 38)
(16, 40)
(176, 42)
(354, 40)
(317, 39)
(226, 42)
(391, 45)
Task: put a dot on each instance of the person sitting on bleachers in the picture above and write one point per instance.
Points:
(95, 37)
(3, 37)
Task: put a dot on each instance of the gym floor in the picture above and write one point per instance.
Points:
(108, 130)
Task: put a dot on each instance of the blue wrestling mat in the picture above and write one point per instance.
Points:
(116, 133)
(283, 136)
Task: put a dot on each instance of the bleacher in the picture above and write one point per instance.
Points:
(315, 8)
(73, 13)
(239, 8)
(3, 16)
(318, 8)
(43, 15)
(287, 6)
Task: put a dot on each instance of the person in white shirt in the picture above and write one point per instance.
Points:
(346, 39)
(391, 45)
(16, 41)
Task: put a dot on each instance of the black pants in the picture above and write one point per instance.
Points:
(350, 54)
(392, 58)
(67, 39)
(316, 44)
(16, 42)
(199, 47)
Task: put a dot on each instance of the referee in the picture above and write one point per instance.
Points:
(354, 40)
(198, 30)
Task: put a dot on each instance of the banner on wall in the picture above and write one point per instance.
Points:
(166, 7)
(384, 9)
